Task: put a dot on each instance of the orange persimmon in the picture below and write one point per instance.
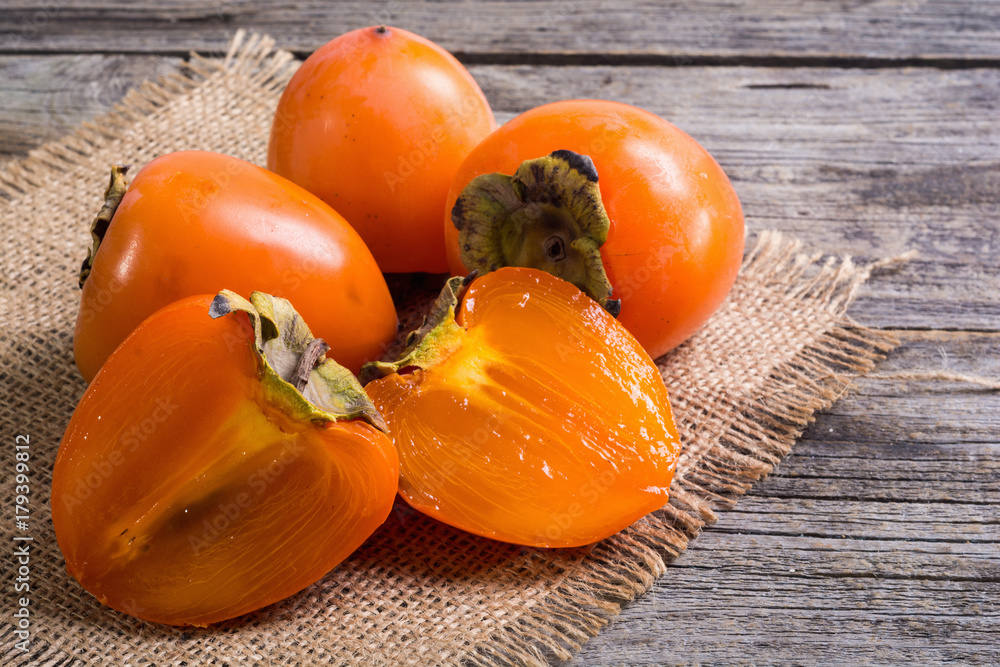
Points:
(614, 199)
(195, 222)
(526, 413)
(375, 123)
(216, 464)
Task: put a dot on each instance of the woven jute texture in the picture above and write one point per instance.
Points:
(418, 592)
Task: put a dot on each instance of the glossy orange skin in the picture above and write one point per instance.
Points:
(195, 222)
(548, 425)
(376, 124)
(676, 238)
(181, 495)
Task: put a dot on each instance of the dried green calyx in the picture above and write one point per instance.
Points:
(436, 338)
(112, 198)
(548, 215)
(294, 373)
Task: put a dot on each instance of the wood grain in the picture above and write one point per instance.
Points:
(44, 97)
(726, 608)
(668, 33)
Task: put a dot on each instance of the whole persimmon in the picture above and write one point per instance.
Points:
(376, 123)
(194, 222)
(610, 197)
(217, 464)
(525, 413)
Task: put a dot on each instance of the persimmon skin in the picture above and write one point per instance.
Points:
(182, 495)
(376, 123)
(676, 238)
(195, 222)
(547, 425)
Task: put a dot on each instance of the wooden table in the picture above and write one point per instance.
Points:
(867, 128)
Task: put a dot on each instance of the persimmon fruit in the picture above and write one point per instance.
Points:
(215, 466)
(376, 123)
(524, 412)
(614, 199)
(195, 222)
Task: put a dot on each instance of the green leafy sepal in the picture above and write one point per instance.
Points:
(294, 373)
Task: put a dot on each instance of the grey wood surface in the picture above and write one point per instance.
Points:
(45, 97)
(866, 128)
(670, 32)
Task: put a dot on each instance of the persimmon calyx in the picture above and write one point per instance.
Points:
(549, 215)
(112, 198)
(434, 341)
(294, 373)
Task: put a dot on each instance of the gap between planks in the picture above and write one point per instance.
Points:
(662, 60)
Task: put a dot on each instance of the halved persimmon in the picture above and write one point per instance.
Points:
(524, 412)
(214, 466)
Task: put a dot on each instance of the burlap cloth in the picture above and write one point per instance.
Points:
(418, 592)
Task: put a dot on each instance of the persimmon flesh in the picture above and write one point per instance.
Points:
(193, 486)
(529, 416)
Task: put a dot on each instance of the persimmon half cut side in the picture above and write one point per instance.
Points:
(527, 414)
(197, 482)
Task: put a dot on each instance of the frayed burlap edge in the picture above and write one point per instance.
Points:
(760, 434)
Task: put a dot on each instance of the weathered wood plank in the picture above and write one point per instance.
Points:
(706, 612)
(861, 162)
(960, 473)
(674, 32)
(920, 420)
(918, 441)
(809, 597)
(775, 578)
(842, 557)
(941, 522)
(46, 97)
(863, 546)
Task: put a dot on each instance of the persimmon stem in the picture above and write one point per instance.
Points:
(316, 349)
(112, 198)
